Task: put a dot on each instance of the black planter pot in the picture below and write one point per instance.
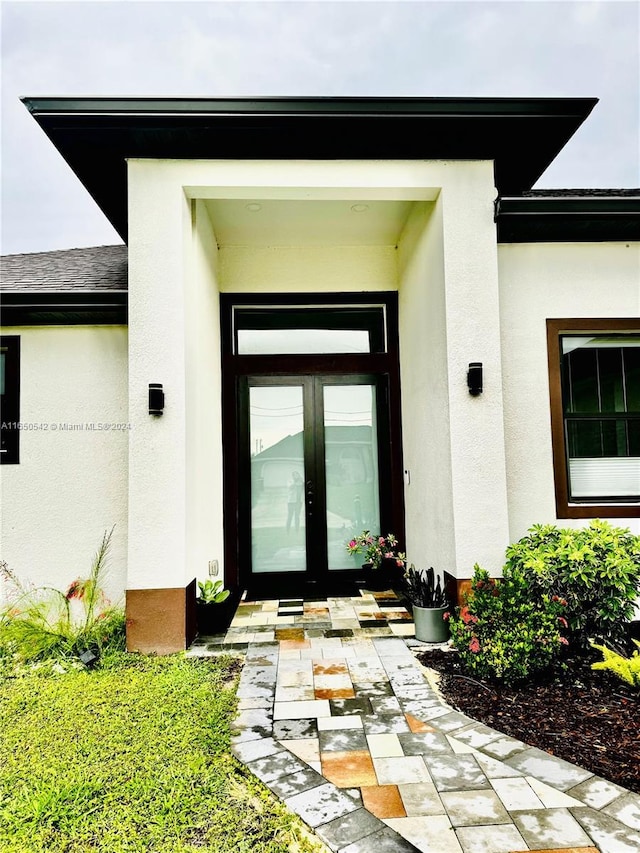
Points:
(394, 572)
(214, 618)
(387, 576)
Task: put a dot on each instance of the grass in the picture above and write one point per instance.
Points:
(133, 756)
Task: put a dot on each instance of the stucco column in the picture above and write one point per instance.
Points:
(478, 470)
(156, 598)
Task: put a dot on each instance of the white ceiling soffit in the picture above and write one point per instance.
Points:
(273, 222)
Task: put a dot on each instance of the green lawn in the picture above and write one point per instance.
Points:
(133, 756)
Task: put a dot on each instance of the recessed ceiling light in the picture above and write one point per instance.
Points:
(253, 206)
(359, 208)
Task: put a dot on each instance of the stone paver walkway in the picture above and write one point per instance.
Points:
(337, 717)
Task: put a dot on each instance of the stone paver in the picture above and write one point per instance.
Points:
(321, 804)
(336, 717)
(554, 771)
(456, 773)
(516, 794)
(427, 833)
(467, 808)
(596, 792)
(626, 809)
(610, 835)
(349, 828)
(491, 839)
(550, 828)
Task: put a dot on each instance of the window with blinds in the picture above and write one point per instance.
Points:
(601, 403)
(594, 387)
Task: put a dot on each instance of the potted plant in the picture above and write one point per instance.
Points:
(212, 617)
(383, 560)
(429, 603)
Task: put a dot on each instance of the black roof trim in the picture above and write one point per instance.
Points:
(586, 192)
(96, 135)
(570, 218)
(64, 309)
(323, 106)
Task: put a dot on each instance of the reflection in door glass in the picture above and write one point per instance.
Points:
(277, 479)
(351, 468)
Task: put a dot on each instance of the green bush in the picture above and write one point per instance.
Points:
(46, 623)
(627, 669)
(596, 569)
(503, 633)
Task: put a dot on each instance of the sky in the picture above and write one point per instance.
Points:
(451, 48)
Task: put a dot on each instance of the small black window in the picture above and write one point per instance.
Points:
(9, 399)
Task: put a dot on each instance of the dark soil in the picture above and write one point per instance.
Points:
(588, 717)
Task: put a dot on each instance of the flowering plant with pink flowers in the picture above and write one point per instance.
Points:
(503, 633)
(376, 548)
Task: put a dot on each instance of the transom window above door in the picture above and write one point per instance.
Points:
(309, 329)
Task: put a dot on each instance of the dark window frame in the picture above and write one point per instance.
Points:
(10, 417)
(567, 507)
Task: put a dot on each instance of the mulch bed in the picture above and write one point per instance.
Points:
(584, 716)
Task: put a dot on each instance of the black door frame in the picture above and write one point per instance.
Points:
(236, 367)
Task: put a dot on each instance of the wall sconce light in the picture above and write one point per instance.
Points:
(156, 399)
(474, 378)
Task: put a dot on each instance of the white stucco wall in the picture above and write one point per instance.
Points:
(465, 489)
(175, 517)
(160, 235)
(449, 318)
(540, 281)
(473, 334)
(71, 483)
(426, 439)
(310, 269)
(203, 401)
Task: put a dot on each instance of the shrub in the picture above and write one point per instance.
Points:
(503, 633)
(627, 669)
(45, 622)
(595, 568)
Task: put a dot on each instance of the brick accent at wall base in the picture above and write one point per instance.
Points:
(161, 621)
(457, 588)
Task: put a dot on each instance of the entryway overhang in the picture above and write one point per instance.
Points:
(96, 136)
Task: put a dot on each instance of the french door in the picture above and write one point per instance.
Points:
(311, 435)
(316, 448)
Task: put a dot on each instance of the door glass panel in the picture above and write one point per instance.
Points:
(351, 468)
(277, 479)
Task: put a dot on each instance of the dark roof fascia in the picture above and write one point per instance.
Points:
(35, 308)
(325, 106)
(97, 135)
(589, 218)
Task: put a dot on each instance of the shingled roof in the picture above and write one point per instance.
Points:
(70, 270)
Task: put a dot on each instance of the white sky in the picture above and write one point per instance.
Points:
(429, 49)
